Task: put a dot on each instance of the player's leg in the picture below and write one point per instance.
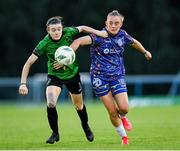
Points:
(114, 117)
(121, 101)
(52, 93)
(82, 113)
(123, 106)
(75, 89)
(102, 90)
(119, 92)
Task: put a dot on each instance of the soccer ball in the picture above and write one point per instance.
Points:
(65, 55)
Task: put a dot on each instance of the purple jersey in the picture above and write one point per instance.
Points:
(107, 55)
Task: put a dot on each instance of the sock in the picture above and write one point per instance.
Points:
(121, 131)
(53, 119)
(83, 116)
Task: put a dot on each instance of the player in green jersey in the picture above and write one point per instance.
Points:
(57, 77)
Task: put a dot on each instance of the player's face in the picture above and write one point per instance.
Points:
(113, 24)
(55, 31)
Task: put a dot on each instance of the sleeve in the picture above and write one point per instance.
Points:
(72, 31)
(95, 39)
(128, 40)
(40, 48)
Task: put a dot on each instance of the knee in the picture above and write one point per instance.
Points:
(113, 115)
(78, 106)
(51, 100)
(77, 101)
(51, 104)
(124, 110)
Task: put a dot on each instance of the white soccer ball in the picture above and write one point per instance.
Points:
(65, 55)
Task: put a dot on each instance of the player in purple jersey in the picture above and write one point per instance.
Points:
(108, 72)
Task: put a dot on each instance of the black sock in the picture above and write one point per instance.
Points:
(83, 116)
(53, 119)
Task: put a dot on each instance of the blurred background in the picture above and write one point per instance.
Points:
(155, 23)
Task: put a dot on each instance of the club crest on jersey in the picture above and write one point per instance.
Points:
(119, 42)
(97, 82)
(106, 51)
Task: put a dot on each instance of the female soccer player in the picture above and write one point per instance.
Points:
(69, 76)
(108, 72)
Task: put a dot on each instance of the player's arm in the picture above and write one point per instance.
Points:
(90, 30)
(82, 41)
(23, 90)
(137, 45)
(86, 40)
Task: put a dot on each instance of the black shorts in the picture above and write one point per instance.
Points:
(73, 85)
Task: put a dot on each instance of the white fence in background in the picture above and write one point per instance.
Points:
(9, 86)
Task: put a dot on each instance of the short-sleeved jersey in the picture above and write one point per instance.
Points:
(107, 60)
(47, 47)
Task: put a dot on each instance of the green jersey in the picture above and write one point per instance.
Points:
(48, 47)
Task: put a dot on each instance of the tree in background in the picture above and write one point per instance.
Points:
(154, 22)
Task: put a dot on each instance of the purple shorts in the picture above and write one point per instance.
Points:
(102, 87)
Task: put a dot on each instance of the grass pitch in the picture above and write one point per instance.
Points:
(26, 128)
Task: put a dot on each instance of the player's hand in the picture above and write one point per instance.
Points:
(23, 90)
(57, 65)
(148, 55)
(103, 34)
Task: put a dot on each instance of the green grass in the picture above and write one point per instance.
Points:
(26, 127)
